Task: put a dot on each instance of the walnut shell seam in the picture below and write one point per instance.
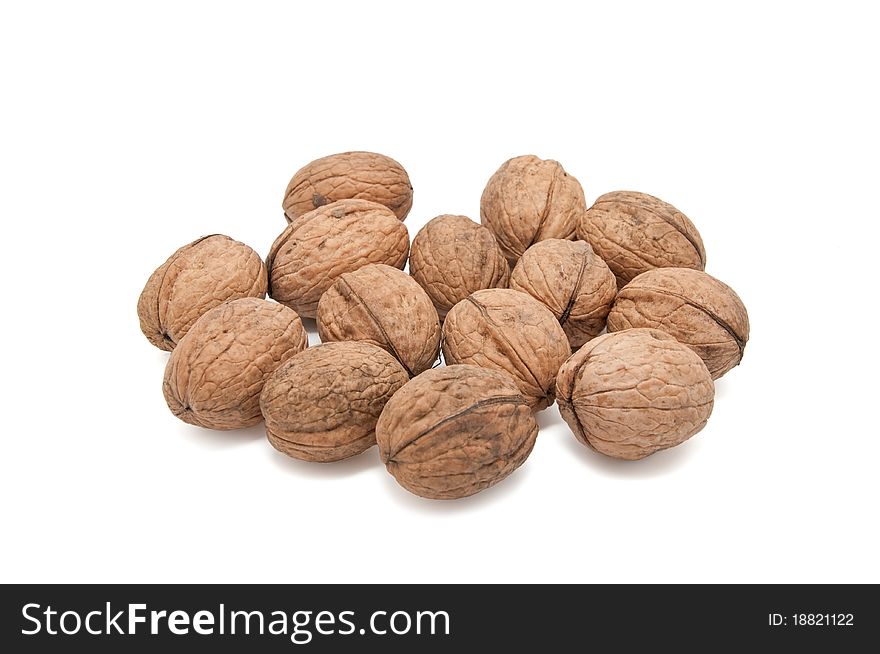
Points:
(170, 262)
(677, 227)
(548, 204)
(516, 400)
(577, 286)
(499, 331)
(378, 324)
(714, 316)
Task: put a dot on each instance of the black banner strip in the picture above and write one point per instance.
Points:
(429, 618)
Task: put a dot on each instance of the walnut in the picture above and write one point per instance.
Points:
(528, 200)
(386, 307)
(340, 237)
(452, 257)
(635, 232)
(359, 175)
(695, 308)
(198, 277)
(454, 431)
(571, 281)
(510, 331)
(632, 393)
(322, 405)
(216, 373)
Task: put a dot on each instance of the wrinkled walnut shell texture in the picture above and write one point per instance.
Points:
(632, 393)
(452, 256)
(323, 404)
(636, 232)
(386, 307)
(314, 250)
(216, 373)
(454, 431)
(358, 175)
(512, 332)
(694, 307)
(195, 279)
(570, 280)
(528, 200)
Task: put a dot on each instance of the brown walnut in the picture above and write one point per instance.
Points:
(635, 232)
(632, 393)
(528, 200)
(452, 256)
(323, 403)
(694, 307)
(216, 373)
(358, 175)
(569, 279)
(386, 307)
(454, 431)
(510, 331)
(198, 277)
(314, 250)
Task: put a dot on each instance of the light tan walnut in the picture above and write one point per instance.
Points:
(694, 307)
(196, 278)
(216, 373)
(323, 404)
(632, 393)
(512, 332)
(349, 175)
(569, 279)
(315, 249)
(386, 307)
(454, 431)
(635, 232)
(528, 200)
(452, 256)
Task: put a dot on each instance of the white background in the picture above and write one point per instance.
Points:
(130, 129)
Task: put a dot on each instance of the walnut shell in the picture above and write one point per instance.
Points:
(528, 200)
(452, 256)
(632, 393)
(349, 175)
(314, 250)
(216, 373)
(386, 307)
(323, 403)
(635, 232)
(195, 279)
(510, 331)
(571, 281)
(694, 307)
(454, 431)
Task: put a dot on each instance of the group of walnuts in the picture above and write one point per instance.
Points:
(516, 306)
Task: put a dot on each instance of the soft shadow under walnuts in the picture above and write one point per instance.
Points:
(355, 465)
(458, 506)
(658, 464)
(223, 440)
